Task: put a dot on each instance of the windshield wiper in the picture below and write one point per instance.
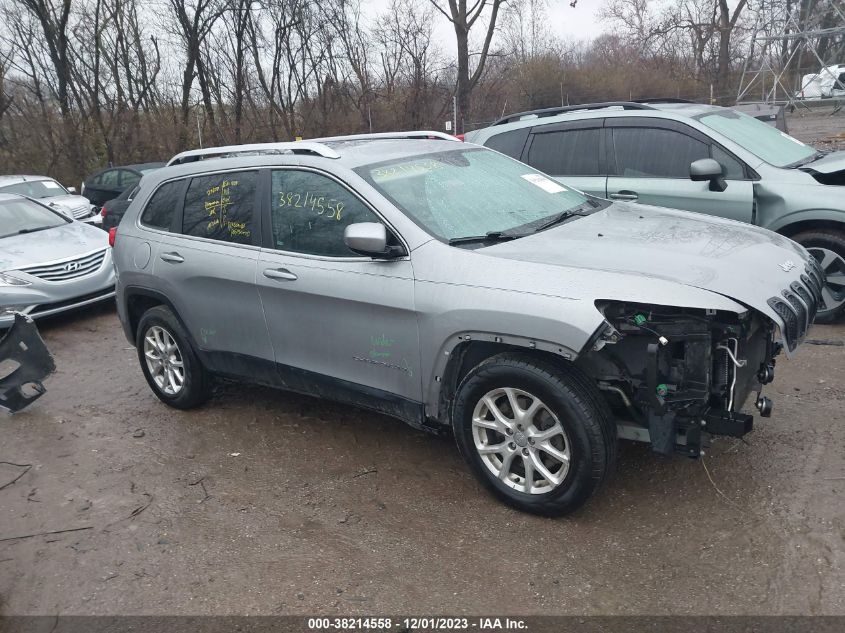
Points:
(490, 236)
(805, 161)
(565, 215)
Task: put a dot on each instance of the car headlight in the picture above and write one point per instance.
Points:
(8, 280)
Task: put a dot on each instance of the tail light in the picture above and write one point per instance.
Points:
(460, 137)
(103, 211)
(112, 235)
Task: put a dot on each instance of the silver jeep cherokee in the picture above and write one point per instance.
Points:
(450, 286)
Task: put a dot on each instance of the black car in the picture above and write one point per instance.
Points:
(114, 209)
(107, 184)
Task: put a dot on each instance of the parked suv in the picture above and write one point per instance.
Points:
(695, 157)
(450, 286)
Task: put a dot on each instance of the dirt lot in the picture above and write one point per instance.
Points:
(264, 502)
(268, 503)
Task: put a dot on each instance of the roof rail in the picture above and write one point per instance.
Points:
(663, 100)
(544, 112)
(300, 147)
(414, 134)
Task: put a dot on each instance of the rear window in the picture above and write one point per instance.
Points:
(509, 143)
(159, 211)
(221, 207)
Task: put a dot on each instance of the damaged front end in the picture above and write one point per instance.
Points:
(25, 362)
(675, 377)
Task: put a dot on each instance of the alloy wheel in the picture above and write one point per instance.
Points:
(833, 265)
(521, 441)
(164, 360)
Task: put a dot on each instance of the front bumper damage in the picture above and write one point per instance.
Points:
(25, 362)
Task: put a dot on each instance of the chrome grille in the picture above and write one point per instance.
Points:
(68, 268)
(81, 212)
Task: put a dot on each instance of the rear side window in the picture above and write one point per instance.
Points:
(655, 153)
(566, 152)
(221, 207)
(509, 143)
(159, 211)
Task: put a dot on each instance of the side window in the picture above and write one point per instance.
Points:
(128, 178)
(509, 143)
(221, 207)
(159, 211)
(310, 212)
(733, 168)
(107, 179)
(566, 153)
(655, 153)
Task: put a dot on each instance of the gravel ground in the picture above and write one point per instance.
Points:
(269, 503)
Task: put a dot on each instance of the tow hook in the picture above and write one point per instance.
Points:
(764, 406)
(766, 374)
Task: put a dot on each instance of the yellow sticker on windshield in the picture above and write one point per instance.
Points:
(546, 184)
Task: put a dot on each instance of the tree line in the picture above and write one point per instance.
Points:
(88, 83)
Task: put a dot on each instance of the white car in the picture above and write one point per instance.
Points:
(49, 192)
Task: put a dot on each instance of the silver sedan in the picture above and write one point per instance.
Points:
(48, 262)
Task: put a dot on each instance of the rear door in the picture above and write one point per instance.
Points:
(649, 162)
(572, 152)
(207, 265)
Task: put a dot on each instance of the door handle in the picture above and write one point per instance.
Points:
(173, 258)
(624, 195)
(282, 274)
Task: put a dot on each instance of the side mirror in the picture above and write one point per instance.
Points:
(370, 238)
(71, 189)
(708, 169)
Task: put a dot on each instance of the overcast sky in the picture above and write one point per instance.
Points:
(579, 23)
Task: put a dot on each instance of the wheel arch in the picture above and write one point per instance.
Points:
(138, 301)
(463, 351)
(809, 220)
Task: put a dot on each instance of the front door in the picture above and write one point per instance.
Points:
(652, 166)
(340, 324)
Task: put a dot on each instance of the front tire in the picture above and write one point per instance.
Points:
(170, 365)
(540, 437)
(828, 247)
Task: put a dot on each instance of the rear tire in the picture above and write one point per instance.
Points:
(170, 365)
(539, 436)
(828, 247)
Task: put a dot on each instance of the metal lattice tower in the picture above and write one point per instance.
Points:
(774, 25)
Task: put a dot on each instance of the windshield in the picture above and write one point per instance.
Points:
(469, 192)
(23, 216)
(761, 139)
(36, 189)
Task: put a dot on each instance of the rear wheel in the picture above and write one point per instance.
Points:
(539, 436)
(828, 247)
(170, 365)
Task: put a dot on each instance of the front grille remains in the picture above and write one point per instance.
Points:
(69, 268)
(797, 306)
